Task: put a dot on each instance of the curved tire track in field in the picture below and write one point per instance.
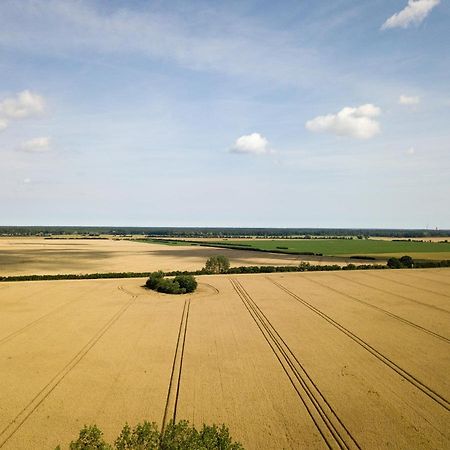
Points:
(332, 430)
(173, 390)
(384, 311)
(16, 423)
(439, 399)
(16, 333)
(408, 285)
(385, 291)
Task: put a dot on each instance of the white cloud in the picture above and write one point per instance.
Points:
(414, 13)
(24, 104)
(26, 180)
(406, 100)
(357, 122)
(410, 151)
(251, 143)
(36, 145)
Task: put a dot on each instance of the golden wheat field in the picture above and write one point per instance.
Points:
(288, 361)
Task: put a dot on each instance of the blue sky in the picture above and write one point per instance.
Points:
(237, 113)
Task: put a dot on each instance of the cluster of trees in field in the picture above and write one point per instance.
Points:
(147, 436)
(217, 264)
(180, 284)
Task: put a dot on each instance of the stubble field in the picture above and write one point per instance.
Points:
(306, 360)
(39, 256)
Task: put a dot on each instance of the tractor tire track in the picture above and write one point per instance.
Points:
(408, 285)
(16, 423)
(385, 291)
(384, 311)
(173, 390)
(434, 280)
(39, 319)
(332, 430)
(439, 399)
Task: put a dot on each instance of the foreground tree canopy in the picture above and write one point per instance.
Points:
(180, 284)
(217, 264)
(147, 436)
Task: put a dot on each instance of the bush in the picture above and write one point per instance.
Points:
(394, 263)
(217, 264)
(168, 286)
(90, 438)
(186, 282)
(143, 437)
(146, 436)
(407, 261)
(154, 279)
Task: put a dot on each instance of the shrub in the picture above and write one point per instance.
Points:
(394, 263)
(143, 437)
(186, 282)
(90, 438)
(407, 261)
(154, 279)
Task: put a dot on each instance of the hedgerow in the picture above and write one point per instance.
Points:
(303, 267)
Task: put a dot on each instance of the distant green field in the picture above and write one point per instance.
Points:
(342, 247)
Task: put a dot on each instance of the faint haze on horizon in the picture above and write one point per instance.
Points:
(227, 114)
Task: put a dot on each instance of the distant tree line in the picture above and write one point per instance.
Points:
(147, 436)
(217, 232)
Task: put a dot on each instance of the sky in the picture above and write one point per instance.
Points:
(238, 113)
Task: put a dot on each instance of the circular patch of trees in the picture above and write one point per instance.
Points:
(180, 284)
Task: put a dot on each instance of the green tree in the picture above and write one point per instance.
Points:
(143, 436)
(154, 279)
(186, 282)
(394, 263)
(90, 438)
(217, 264)
(407, 261)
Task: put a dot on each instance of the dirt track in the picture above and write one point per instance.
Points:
(313, 360)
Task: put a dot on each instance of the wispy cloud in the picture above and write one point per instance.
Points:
(414, 13)
(235, 47)
(25, 104)
(36, 145)
(359, 122)
(408, 100)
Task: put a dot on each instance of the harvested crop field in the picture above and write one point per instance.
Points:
(37, 256)
(305, 360)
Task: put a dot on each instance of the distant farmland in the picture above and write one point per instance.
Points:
(342, 247)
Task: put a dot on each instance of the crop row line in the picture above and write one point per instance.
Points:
(332, 430)
(170, 410)
(15, 424)
(382, 358)
(377, 308)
